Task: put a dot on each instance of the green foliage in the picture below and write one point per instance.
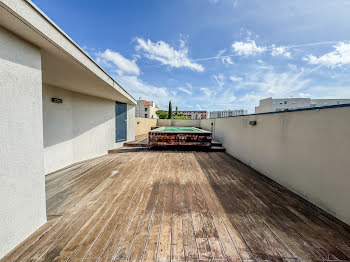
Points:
(176, 112)
(181, 116)
(162, 114)
(170, 111)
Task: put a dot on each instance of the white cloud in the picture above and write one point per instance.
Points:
(281, 84)
(227, 96)
(337, 58)
(234, 2)
(250, 48)
(330, 91)
(224, 59)
(189, 85)
(185, 90)
(280, 50)
(220, 80)
(301, 94)
(227, 60)
(199, 107)
(221, 52)
(167, 55)
(124, 65)
(269, 83)
(207, 92)
(247, 48)
(236, 79)
(139, 88)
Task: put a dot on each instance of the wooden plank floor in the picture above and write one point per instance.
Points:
(178, 206)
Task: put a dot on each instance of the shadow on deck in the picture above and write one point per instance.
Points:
(183, 206)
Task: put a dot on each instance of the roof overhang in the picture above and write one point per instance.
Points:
(64, 63)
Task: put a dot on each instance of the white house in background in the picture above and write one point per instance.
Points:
(228, 113)
(146, 109)
(283, 104)
(57, 107)
(194, 114)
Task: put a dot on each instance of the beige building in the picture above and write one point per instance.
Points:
(284, 104)
(228, 113)
(146, 109)
(195, 114)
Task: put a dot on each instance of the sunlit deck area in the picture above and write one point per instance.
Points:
(178, 206)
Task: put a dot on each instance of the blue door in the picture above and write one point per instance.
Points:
(120, 121)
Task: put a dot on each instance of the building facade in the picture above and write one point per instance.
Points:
(58, 107)
(146, 109)
(284, 104)
(228, 113)
(195, 114)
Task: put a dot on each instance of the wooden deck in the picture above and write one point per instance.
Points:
(178, 206)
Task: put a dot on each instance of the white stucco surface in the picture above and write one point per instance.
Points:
(130, 129)
(22, 183)
(80, 128)
(305, 151)
(61, 56)
(179, 122)
(36, 135)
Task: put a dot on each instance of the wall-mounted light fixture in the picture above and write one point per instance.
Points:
(252, 123)
(56, 100)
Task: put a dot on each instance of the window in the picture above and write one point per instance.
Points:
(146, 115)
(285, 102)
(145, 109)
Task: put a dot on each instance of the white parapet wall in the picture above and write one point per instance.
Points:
(179, 122)
(79, 128)
(22, 183)
(307, 151)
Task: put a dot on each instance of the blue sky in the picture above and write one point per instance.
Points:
(214, 54)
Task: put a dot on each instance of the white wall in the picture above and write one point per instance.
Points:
(130, 128)
(306, 151)
(22, 183)
(178, 122)
(80, 128)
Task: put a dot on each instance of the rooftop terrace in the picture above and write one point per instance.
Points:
(178, 206)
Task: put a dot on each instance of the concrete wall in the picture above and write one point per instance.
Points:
(178, 122)
(143, 125)
(305, 151)
(22, 183)
(131, 125)
(80, 128)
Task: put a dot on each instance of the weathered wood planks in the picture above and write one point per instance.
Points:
(178, 206)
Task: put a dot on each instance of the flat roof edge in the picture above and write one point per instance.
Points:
(287, 111)
(10, 3)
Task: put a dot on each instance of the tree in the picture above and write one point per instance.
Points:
(181, 116)
(162, 114)
(176, 111)
(170, 111)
